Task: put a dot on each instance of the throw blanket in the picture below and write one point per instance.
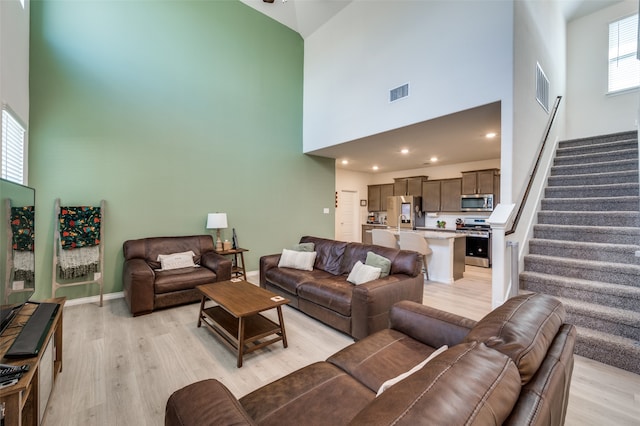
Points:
(22, 244)
(79, 252)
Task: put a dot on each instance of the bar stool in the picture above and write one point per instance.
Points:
(416, 242)
(382, 237)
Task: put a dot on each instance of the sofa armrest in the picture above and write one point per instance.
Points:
(267, 262)
(218, 264)
(137, 284)
(429, 325)
(205, 403)
(372, 301)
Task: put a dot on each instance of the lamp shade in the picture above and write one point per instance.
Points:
(216, 220)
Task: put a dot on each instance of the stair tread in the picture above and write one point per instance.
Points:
(606, 337)
(600, 246)
(592, 228)
(586, 264)
(592, 199)
(594, 286)
(568, 150)
(623, 316)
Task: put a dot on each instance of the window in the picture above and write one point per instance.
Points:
(13, 148)
(624, 67)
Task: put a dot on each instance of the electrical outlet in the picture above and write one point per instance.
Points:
(18, 285)
(97, 275)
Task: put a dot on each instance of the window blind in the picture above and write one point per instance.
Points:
(624, 67)
(12, 148)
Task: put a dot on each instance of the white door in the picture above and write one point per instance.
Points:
(349, 207)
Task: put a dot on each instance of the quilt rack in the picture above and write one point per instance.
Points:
(94, 274)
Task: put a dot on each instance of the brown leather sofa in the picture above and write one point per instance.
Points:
(146, 288)
(325, 293)
(512, 367)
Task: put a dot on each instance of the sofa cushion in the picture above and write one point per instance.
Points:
(290, 279)
(333, 293)
(522, 328)
(355, 252)
(302, 260)
(467, 384)
(380, 357)
(362, 273)
(182, 279)
(317, 394)
(329, 253)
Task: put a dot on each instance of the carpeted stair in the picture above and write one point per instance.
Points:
(583, 249)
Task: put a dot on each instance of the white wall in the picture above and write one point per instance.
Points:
(14, 56)
(455, 55)
(590, 110)
(14, 60)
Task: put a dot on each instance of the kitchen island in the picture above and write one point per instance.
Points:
(446, 263)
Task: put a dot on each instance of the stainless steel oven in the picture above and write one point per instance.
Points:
(478, 247)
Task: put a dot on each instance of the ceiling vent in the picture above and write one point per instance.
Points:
(399, 92)
(542, 88)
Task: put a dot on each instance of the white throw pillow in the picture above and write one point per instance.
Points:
(176, 260)
(361, 273)
(303, 260)
(386, 385)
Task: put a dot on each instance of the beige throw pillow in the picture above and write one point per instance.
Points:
(386, 385)
(361, 273)
(302, 260)
(176, 260)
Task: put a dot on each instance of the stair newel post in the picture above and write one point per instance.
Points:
(500, 218)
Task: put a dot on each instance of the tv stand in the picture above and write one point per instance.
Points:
(26, 401)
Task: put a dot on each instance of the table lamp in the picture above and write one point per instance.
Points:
(217, 221)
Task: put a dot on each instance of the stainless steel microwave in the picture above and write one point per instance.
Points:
(476, 203)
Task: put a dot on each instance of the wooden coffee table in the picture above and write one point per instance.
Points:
(236, 318)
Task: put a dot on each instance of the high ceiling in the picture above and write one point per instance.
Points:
(442, 137)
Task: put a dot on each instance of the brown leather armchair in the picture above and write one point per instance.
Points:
(147, 288)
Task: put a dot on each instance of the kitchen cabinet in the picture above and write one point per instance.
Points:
(431, 193)
(451, 189)
(377, 196)
(441, 195)
(478, 181)
(409, 186)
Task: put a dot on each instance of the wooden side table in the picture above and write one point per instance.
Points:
(237, 268)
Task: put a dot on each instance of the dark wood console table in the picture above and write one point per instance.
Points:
(25, 402)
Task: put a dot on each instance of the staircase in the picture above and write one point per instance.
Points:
(583, 250)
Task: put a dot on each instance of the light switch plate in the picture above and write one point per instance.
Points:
(325, 210)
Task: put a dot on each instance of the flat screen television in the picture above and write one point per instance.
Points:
(17, 248)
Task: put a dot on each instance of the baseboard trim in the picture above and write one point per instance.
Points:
(120, 294)
(94, 299)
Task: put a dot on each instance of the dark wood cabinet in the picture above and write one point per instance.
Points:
(431, 196)
(478, 181)
(409, 186)
(441, 195)
(451, 189)
(377, 196)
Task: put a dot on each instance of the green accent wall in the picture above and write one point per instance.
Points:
(170, 110)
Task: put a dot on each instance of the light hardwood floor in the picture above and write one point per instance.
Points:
(120, 370)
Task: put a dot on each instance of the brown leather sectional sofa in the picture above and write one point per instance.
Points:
(325, 293)
(512, 367)
(146, 288)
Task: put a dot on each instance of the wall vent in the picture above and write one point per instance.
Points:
(542, 88)
(399, 92)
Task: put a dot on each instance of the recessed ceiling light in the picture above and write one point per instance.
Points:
(490, 135)
(404, 151)
(375, 167)
(345, 162)
(433, 159)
